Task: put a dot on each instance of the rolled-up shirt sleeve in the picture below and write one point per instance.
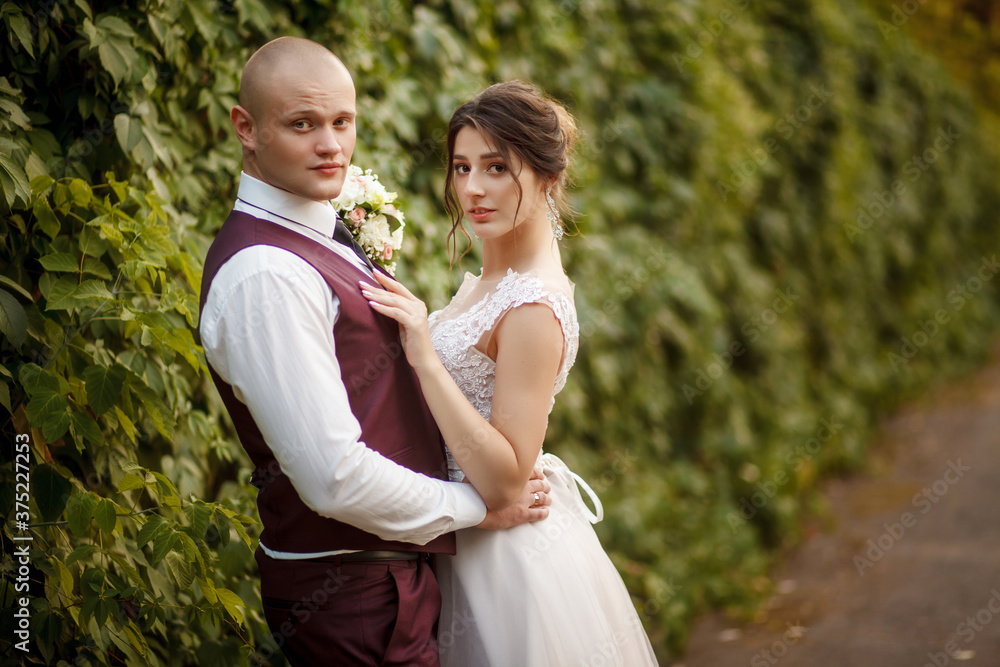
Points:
(267, 329)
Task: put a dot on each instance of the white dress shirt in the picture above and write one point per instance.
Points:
(267, 329)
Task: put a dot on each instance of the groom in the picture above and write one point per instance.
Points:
(350, 469)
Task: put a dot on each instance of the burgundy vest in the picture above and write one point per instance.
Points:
(382, 390)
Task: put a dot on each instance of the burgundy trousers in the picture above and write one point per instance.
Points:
(357, 613)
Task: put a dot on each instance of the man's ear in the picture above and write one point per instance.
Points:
(243, 123)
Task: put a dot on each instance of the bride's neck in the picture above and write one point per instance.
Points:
(526, 248)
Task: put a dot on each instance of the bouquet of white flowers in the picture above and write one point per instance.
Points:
(367, 210)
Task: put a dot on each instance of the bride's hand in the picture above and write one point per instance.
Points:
(397, 302)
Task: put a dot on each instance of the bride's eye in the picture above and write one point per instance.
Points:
(496, 168)
(461, 169)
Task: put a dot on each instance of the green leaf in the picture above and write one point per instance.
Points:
(20, 27)
(208, 589)
(136, 639)
(105, 516)
(96, 267)
(125, 423)
(98, 633)
(47, 408)
(183, 570)
(13, 182)
(51, 491)
(232, 602)
(164, 486)
(104, 609)
(85, 429)
(162, 544)
(89, 607)
(5, 396)
(104, 386)
(65, 262)
(46, 218)
(154, 526)
(80, 510)
(13, 319)
(16, 287)
(92, 580)
(17, 115)
(64, 575)
(81, 551)
(115, 25)
(125, 563)
(241, 531)
(33, 377)
(131, 481)
(155, 409)
(80, 191)
(65, 293)
(199, 514)
(118, 57)
(128, 130)
(60, 261)
(41, 183)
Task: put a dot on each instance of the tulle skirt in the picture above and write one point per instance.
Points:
(542, 594)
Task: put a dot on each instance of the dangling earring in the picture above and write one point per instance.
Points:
(553, 215)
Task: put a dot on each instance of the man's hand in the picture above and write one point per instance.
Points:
(524, 509)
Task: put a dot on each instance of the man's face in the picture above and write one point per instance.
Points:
(304, 130)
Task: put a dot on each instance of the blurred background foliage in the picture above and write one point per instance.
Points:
(787, 218)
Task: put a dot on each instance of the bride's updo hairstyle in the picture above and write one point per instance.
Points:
(516, 119)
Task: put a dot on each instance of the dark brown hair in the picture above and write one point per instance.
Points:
(515, 118)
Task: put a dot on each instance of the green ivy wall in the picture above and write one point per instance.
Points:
(787, 222)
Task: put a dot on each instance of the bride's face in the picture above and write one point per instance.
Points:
(485, 185)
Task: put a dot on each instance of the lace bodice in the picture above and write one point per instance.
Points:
(459, 326)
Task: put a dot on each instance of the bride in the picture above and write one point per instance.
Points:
(489, 365)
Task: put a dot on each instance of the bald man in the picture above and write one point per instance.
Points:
(349, 464)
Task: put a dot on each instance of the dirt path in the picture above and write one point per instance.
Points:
(908, 573)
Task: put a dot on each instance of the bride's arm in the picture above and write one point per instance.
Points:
(497, 456)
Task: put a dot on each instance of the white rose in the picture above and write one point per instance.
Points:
(353, 191)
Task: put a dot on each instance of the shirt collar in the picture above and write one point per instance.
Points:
(318, 216)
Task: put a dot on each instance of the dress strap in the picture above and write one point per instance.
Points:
(553, 462)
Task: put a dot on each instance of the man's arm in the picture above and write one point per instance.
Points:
(267, 329)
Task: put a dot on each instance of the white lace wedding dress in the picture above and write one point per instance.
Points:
(541, 594)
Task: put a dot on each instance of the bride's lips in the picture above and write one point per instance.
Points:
(328, 168)
(480, 214)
